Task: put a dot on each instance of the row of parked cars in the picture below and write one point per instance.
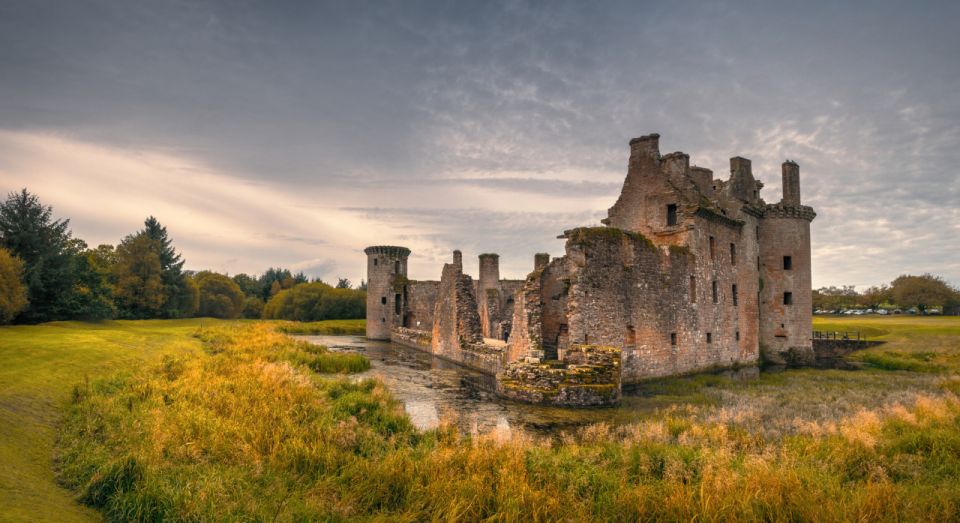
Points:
(881, 312)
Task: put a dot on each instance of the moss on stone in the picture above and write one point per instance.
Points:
(588, 235)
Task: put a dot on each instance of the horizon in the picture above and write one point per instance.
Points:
(274, 135)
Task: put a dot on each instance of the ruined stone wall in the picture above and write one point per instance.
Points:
(457, 335)
(421, 303)
(590, 378)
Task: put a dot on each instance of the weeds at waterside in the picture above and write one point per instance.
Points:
(242, 431)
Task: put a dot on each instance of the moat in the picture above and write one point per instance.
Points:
(432, 389)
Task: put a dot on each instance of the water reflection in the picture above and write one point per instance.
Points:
(432, 390)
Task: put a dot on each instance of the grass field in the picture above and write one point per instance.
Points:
(223, 430)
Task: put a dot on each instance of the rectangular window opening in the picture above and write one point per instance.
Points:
(693, 289)
(716, 297)
(375, 262)
(738, 335)
(673, 339)
(631, 336)
(734, 292)
(787, 263)
(671, 214)
(733, 254)
(788, 298)
(383, 300)
(396, 304)
(713, 249)
(709, 337)
(396, 267)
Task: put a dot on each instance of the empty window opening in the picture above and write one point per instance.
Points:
(787, 263)
(788, 298)
(672, 214)
(375, 262)
(733, 254)
(713, 249)
(396, 304)
(758, 263)
(673, 339)
(716, 297)
(738, 335)
(383, 300)
(631, 336)
(396, 267)
(709, 337)
(734, 294)
(754, 195)
(693, 290)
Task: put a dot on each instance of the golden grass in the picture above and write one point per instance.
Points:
(239, 432)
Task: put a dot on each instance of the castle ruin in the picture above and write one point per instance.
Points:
(687, 273)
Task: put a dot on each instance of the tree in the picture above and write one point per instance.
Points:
(343, 283)
(29, 232)
(220, 296)
(252, 307)
(13, 293)
(835, 298)
(922, 292)
(93, 289)
(314, 302)
(178, 296)
(875, 296)
(249, 285)
(138, 278)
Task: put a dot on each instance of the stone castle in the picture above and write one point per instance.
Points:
(687, 273)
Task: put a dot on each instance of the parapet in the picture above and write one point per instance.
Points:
(388, 250)
(648, 145)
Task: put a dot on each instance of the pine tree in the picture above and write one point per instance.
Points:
(179, 300)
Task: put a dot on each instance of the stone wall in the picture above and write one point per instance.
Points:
(414, 338)
(421, 303)
(590, 378)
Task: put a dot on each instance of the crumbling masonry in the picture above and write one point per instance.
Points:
(687, 273)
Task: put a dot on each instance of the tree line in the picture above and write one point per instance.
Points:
(923, 293)
(46, 274)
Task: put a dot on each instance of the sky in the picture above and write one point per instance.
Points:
(295, 134)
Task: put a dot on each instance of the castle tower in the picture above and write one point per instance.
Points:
(786, 298)
(488, 294)
(386, 289)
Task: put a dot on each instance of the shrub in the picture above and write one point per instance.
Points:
(315, 302)
(220, 297)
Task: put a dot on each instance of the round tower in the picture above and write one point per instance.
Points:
(386, 283)
(786, 319)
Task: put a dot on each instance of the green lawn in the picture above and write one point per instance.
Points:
(41, 364)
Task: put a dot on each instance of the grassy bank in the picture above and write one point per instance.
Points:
(328, 327)
(242, 431)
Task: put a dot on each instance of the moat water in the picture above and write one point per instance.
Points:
(434, 390)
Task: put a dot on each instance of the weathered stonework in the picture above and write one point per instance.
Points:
(589, 378)
(688, 273)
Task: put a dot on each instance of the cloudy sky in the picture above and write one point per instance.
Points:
(297, 133)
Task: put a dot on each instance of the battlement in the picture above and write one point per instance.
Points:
(388, 250)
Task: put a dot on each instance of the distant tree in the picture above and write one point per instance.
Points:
(362, 286)
(138, 278)
(835, 298)
(282, 277)
(875, 296)
(252, 307)
(29, 231)
(922, 292)
(220, 296)
(314, 302)
(249, 285)
(93, 286)
(178, 296)
(13, 293)
(343, 283)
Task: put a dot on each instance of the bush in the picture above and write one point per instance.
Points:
(220, 297)
(13, 293)
(315, 302)
(252, 307)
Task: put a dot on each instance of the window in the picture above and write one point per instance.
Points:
(693, 290)
(738, 335)
(735, 303)
(396, 304)
(671, 214)
(383, 300)
(673, 339)
(396, 267)
(713, 249)
(787, 263)
(758, 263)
(709, 337)
(733, 254)
(788, 298)
(375, 262)
(631, 336)
(713, 289)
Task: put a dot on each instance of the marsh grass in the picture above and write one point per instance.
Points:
(239, 431)
(327, 327)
